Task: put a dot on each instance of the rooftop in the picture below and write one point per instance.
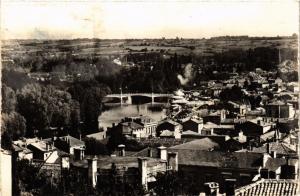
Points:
(269, 187)
(199, 144)
(105, 162)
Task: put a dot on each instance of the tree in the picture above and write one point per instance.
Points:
(6, 141)
(13, 124)
(94, 147)
(9, 99)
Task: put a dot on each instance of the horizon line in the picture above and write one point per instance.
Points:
(162, 37)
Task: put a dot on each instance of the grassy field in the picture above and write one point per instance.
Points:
(107, 47)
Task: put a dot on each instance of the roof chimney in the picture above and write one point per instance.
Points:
(150, 152)
(162, 151)
(173, 160)
(268, 148)
(265, 159)
(121, 148)
(143, 171)
(230, 187)
(65, 162)
(211, 189)
(273, 154)
(92, 171)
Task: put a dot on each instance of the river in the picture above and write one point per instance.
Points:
(116, 112)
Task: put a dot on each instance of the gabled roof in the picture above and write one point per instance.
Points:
(269, 187)
(193, 120)
(42, 146)
(172, 122)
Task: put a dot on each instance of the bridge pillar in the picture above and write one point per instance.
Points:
(152, 98)
(129, 100)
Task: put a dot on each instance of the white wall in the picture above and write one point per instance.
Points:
(5, 174)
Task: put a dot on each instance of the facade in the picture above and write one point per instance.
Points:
(44, 151)
(194, 125)
(170, 126)
(279, 109)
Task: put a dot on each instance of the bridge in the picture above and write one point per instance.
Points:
(126, 98)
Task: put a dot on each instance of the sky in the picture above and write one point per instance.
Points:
(46, 19)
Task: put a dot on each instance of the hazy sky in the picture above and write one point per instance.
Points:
(103, 19)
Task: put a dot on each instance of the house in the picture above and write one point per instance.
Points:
(253, 129)
(44, 151)
(171, 126)
(97, 169)
(137, 127)
(281, 149)
(149, 126)
(215, 117)
(238, 107)
(98, 136)
(69, 144)
(201, 166)
(22, 152)
(192, 124)
(293, 86)
(279, 109)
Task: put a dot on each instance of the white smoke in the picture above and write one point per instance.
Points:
(187, 75)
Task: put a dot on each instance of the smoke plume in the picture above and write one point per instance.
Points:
(187, 75)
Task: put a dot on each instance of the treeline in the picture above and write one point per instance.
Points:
(45, 110)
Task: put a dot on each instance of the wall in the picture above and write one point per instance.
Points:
(5, 174)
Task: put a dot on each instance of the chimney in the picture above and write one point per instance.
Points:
(268, 148)
(162, 151)
(259, 122)
(223, 115)
(92, 171)
(211, 189)
(150, 153)
(273, 154)
(65, 162)
(121, 149)
(173, 160)
(230, 187)
(265, 159)
(143, 171)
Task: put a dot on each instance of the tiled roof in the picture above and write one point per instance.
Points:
(218, 159)
(269, 187)
(73, 141)
(200, 144)
(42, 146)
(278, 147)
(171, 122)
(132, 125)
(198, 121)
